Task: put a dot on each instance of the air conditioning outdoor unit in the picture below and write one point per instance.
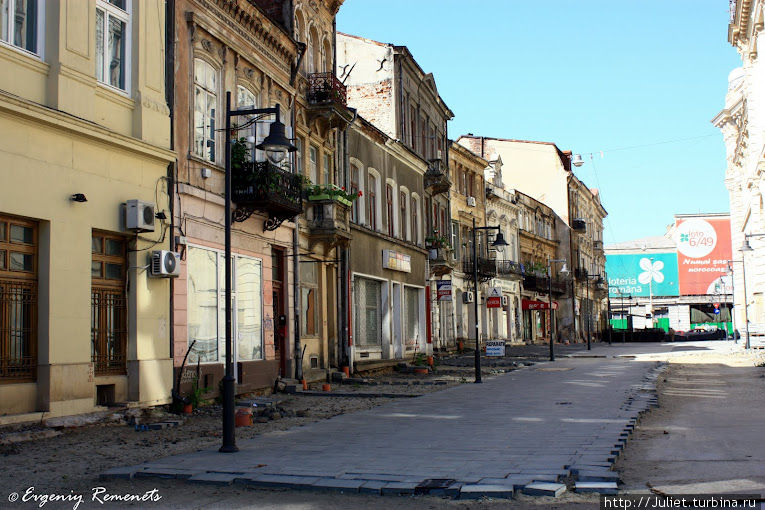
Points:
(468, 297)
(165, 264)
(505, 300)
(471, 201)
(139, 216)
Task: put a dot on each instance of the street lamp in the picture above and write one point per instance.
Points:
(499, 245)
(276, 146)
(588, 315)
(564, 271)
(745, 248)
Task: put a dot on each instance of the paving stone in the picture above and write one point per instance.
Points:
(118, 473)
(214, 478)
(280, 481)
(599, 487)
(598, 476)
(399, 488)
(544, 489)
(372, 486)
(487, 491)
(164, 473)
(338, 484)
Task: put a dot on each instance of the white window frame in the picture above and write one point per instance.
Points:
(396, 211)
(216, 95)
(406, 235)
(417, 206)
(378, 199)
(221, 294)
(313, 164)
(40, 42)
(124, 16)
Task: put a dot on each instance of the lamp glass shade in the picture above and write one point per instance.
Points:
(564, 270)
(746, 246)
(577, 160)
(276, 141)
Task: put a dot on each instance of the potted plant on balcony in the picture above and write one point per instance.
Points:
(436, 244)
(332, 192)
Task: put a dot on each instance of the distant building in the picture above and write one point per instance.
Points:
(677, 281)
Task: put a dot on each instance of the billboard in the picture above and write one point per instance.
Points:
(642, 274)
(703, 252)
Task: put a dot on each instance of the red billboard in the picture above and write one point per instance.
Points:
(703, 252)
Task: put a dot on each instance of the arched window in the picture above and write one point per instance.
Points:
(355, 174)
(313, 51)
(245, 98)
(205, 106)
(373, 182)
(326, 54)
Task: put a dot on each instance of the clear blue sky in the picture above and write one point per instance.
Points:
(589, 76)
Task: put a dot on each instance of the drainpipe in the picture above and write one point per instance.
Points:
(296, 268)
(170, 100)
(344, 267)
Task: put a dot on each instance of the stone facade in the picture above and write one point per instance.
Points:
(742, 122)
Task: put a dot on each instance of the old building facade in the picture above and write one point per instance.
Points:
(85, 146)
(742, 122)
(542, 171)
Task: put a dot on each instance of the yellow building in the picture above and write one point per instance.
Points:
(84, 131)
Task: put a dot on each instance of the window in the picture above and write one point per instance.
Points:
(456, 240)
(413, 121)
(372, 200)
(206, 303)
(112, 31)
(404, 218)
(205, 105)
(18, 300)
(411, 317)
(415, 219)
(299, 156)
(368, 302)
(19, 23)
(470, 181)
(247, 99)
(355, 191)
(389, 208)
(309, 302)
(313, 161)
(326, 170)
(108, 306)
(427, 217)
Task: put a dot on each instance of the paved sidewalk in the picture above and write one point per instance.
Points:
(526, 430)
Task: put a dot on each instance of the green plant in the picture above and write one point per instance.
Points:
(420, 360)
(332, 191)
(240, 154)
(437, 241)
(195, 397)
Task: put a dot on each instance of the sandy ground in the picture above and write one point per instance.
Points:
(706, 436)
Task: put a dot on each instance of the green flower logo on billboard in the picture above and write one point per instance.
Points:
(651, 271)
(684, 238)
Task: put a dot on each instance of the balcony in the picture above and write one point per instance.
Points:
(509, 268)
(436, 177)
(441, 261)
(580, 273)
(541, 283)
(597, 245)
(487, 268)
(262, 186)
(327, 98)
(329, 221)
(579, 225)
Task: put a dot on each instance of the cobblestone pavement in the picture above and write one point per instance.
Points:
(538, 430)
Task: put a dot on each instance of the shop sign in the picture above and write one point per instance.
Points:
(495, 348)
(494, 298)
(397, 261)
(444, 290)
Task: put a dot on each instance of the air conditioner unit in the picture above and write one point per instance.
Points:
(468, 297)
(165, 264)
(505, 300)
(139, 216)
(471, 201)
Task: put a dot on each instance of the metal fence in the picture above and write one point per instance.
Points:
(18, 330)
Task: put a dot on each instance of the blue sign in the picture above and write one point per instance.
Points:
(642, 274)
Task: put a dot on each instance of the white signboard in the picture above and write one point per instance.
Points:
(495, 348)
(397, 261)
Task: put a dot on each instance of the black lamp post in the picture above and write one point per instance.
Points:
(564, 271)
(276, 146)
(745, 248)
(588, 315)
(499, 244)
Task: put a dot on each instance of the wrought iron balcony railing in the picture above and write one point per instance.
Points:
(580, 273)
(262, 186)
(326, 88)
(509, 268)
(579, 225)
(487, 268)
(540, 283)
